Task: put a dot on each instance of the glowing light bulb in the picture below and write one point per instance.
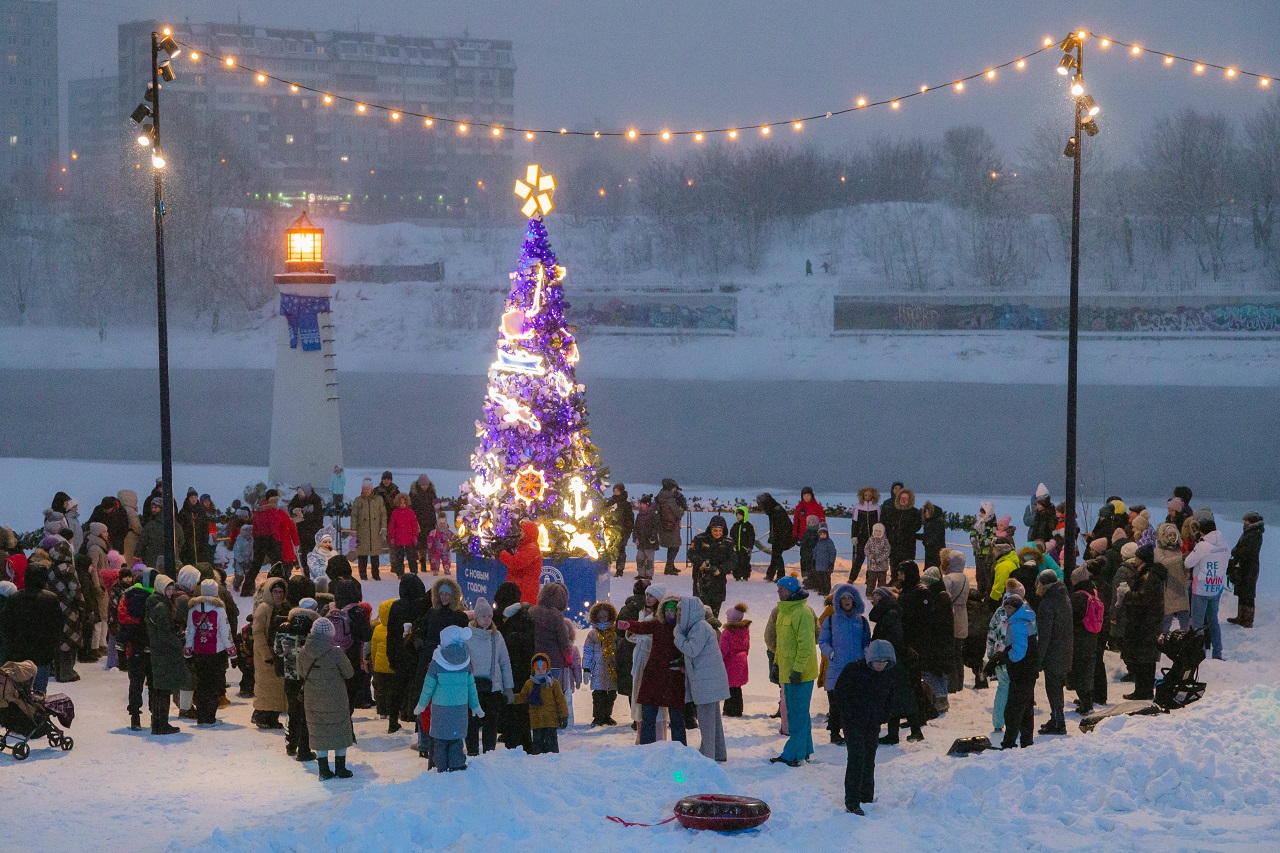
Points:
(195, 56)
(1077, 85)
(1020, 64)
(631, 134)
(596, 134)
(923, 89)
(564, 130)
(764, 131)
(1264, 83)
(601, 191)
(167, 31)
(427, 122)
(293, 88)
(157, 160)
(1105, 43)
(1136, 50)
(959, 85)
(1048, 40)
(697, 137)
(462, 128)
(395, 116)
(528, 134)
(328, 99)
(144, 140)
(797, 125)
(360, 108)
(666, 136)
(497, 131)
(991, 74)
(231, 62)
(862, 102)
(1199, 68)
(733, 134)
(893, 105)
(1080, 34)
(1231, 72)
(1168, 60)
(262, 78)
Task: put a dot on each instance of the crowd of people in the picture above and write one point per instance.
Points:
(887, 652)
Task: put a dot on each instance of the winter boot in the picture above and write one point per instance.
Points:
(135, 722)
(1243, 617)
(364, 576)
(340, 767)
(325, 773)
(160, 714)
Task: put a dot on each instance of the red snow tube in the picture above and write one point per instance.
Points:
(721, 812)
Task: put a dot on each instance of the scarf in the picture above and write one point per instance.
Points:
(539, 681)
(607, 638)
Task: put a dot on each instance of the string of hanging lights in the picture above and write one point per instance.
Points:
(796, 123)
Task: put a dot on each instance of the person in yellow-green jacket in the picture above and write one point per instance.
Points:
(797, 662)
(1005, 565)
(384, 691)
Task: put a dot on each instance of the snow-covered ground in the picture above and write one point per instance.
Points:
(1202, 778)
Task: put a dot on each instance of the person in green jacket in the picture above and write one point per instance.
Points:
(797, 661)
(1006, 564)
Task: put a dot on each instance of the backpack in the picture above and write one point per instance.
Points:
(341, 619)
(1093, 614)
(135, 602)
(286, 654)
(206, 634)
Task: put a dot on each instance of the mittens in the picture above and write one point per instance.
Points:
(795, 678)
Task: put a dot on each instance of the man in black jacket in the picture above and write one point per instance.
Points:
(33, 626)
(1242, 569)
(866, 693)
(781, 537)
(622, 521)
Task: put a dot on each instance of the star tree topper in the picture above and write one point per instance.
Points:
(536, 190)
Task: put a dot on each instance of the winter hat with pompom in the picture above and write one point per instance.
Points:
(483, 611)
(1118, 535)
(1079, 576)
(736, 613)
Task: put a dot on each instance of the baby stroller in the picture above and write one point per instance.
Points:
(1178, 686)
(26, 716)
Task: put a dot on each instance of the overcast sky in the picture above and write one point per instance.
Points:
(690, 63)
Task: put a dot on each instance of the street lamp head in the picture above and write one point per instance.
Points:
(1090, 125)
(1067, 65)
(166, 71)
(157, 159)
(169, 46)
(144, 138)
(304, 244)
(1070, 150)
(1090, 106)
(150, 94)
(1077, 85)
(140, 113)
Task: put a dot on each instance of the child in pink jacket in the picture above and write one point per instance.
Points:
(438, 545)
(735, 644)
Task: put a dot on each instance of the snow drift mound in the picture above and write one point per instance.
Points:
(549, 800)
(1207, 770)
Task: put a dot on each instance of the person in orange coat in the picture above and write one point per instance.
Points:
(525, 565)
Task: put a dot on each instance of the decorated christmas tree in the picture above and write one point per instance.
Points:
(535, 459)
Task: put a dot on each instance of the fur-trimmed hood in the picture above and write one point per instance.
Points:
(554, 595)
(911, 499)
(609, 612)
(455, 602)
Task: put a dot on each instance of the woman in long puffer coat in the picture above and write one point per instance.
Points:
(269, 700)
(65, 583)
(324, 669)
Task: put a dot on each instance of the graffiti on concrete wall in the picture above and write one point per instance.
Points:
(684, 312)
(853, 314)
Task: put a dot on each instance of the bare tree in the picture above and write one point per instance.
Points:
(1189, 160)
(1260, 167)
(974, 168)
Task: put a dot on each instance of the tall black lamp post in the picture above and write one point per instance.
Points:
(1072, 65)
(147, 115)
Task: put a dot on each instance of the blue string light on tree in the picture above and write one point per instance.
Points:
(535, 458)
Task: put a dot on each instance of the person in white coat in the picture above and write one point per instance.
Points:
(643, 643)
(208, 640)
(1207, 565)
(491, 665)
(706, 679)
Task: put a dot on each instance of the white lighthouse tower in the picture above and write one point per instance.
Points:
(306, 434)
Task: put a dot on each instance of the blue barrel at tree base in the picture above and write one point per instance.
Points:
(587, 581)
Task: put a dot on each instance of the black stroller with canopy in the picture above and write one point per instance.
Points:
(26, 716)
